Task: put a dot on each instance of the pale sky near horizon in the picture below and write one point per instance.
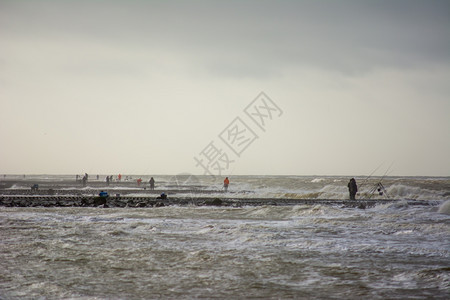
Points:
(143, 87)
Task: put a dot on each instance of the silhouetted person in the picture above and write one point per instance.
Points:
(152, 183)
(352, 188)
(107, 180)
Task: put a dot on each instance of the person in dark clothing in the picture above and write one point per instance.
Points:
(352, 188)
(152, 183)
(163, 196)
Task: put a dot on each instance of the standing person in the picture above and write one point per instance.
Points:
(152, 183)
(226, 182)
(139, 181)
(352, 188)
(107, 180)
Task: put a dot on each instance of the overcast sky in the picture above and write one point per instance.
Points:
(148, 87)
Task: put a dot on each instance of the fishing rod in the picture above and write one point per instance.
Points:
(368, 177)
(379, 186)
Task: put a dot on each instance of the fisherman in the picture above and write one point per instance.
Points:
(226, 182)
(163, 196)
(103, 194)
(152, 183)
(352, 188)
(139, 181)
(107, 180)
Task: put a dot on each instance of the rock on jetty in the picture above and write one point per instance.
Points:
(127, 201)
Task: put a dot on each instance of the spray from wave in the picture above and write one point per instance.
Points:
(445, 208)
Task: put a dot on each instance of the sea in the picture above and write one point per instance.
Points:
(394, 250)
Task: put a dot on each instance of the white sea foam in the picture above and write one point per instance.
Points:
(294, 187)
(316, 180)
(192, 252)
(445, 208)
(400, 191)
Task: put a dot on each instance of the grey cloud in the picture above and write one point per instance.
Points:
(350, 37)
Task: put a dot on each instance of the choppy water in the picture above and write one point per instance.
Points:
(293, 187)
(387, 252)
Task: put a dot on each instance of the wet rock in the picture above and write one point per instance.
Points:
(99, 201)
(214, 202)
(159, 204)
(84, 202)
(120, 204)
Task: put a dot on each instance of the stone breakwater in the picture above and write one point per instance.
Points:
(142, 201)
(13, 193)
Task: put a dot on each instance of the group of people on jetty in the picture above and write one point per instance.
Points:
(352, 186)
(109, 179)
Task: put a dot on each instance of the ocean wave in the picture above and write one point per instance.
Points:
(400, 191)
(410, 188)
(445, 208)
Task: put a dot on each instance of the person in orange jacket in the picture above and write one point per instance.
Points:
(226, 182)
